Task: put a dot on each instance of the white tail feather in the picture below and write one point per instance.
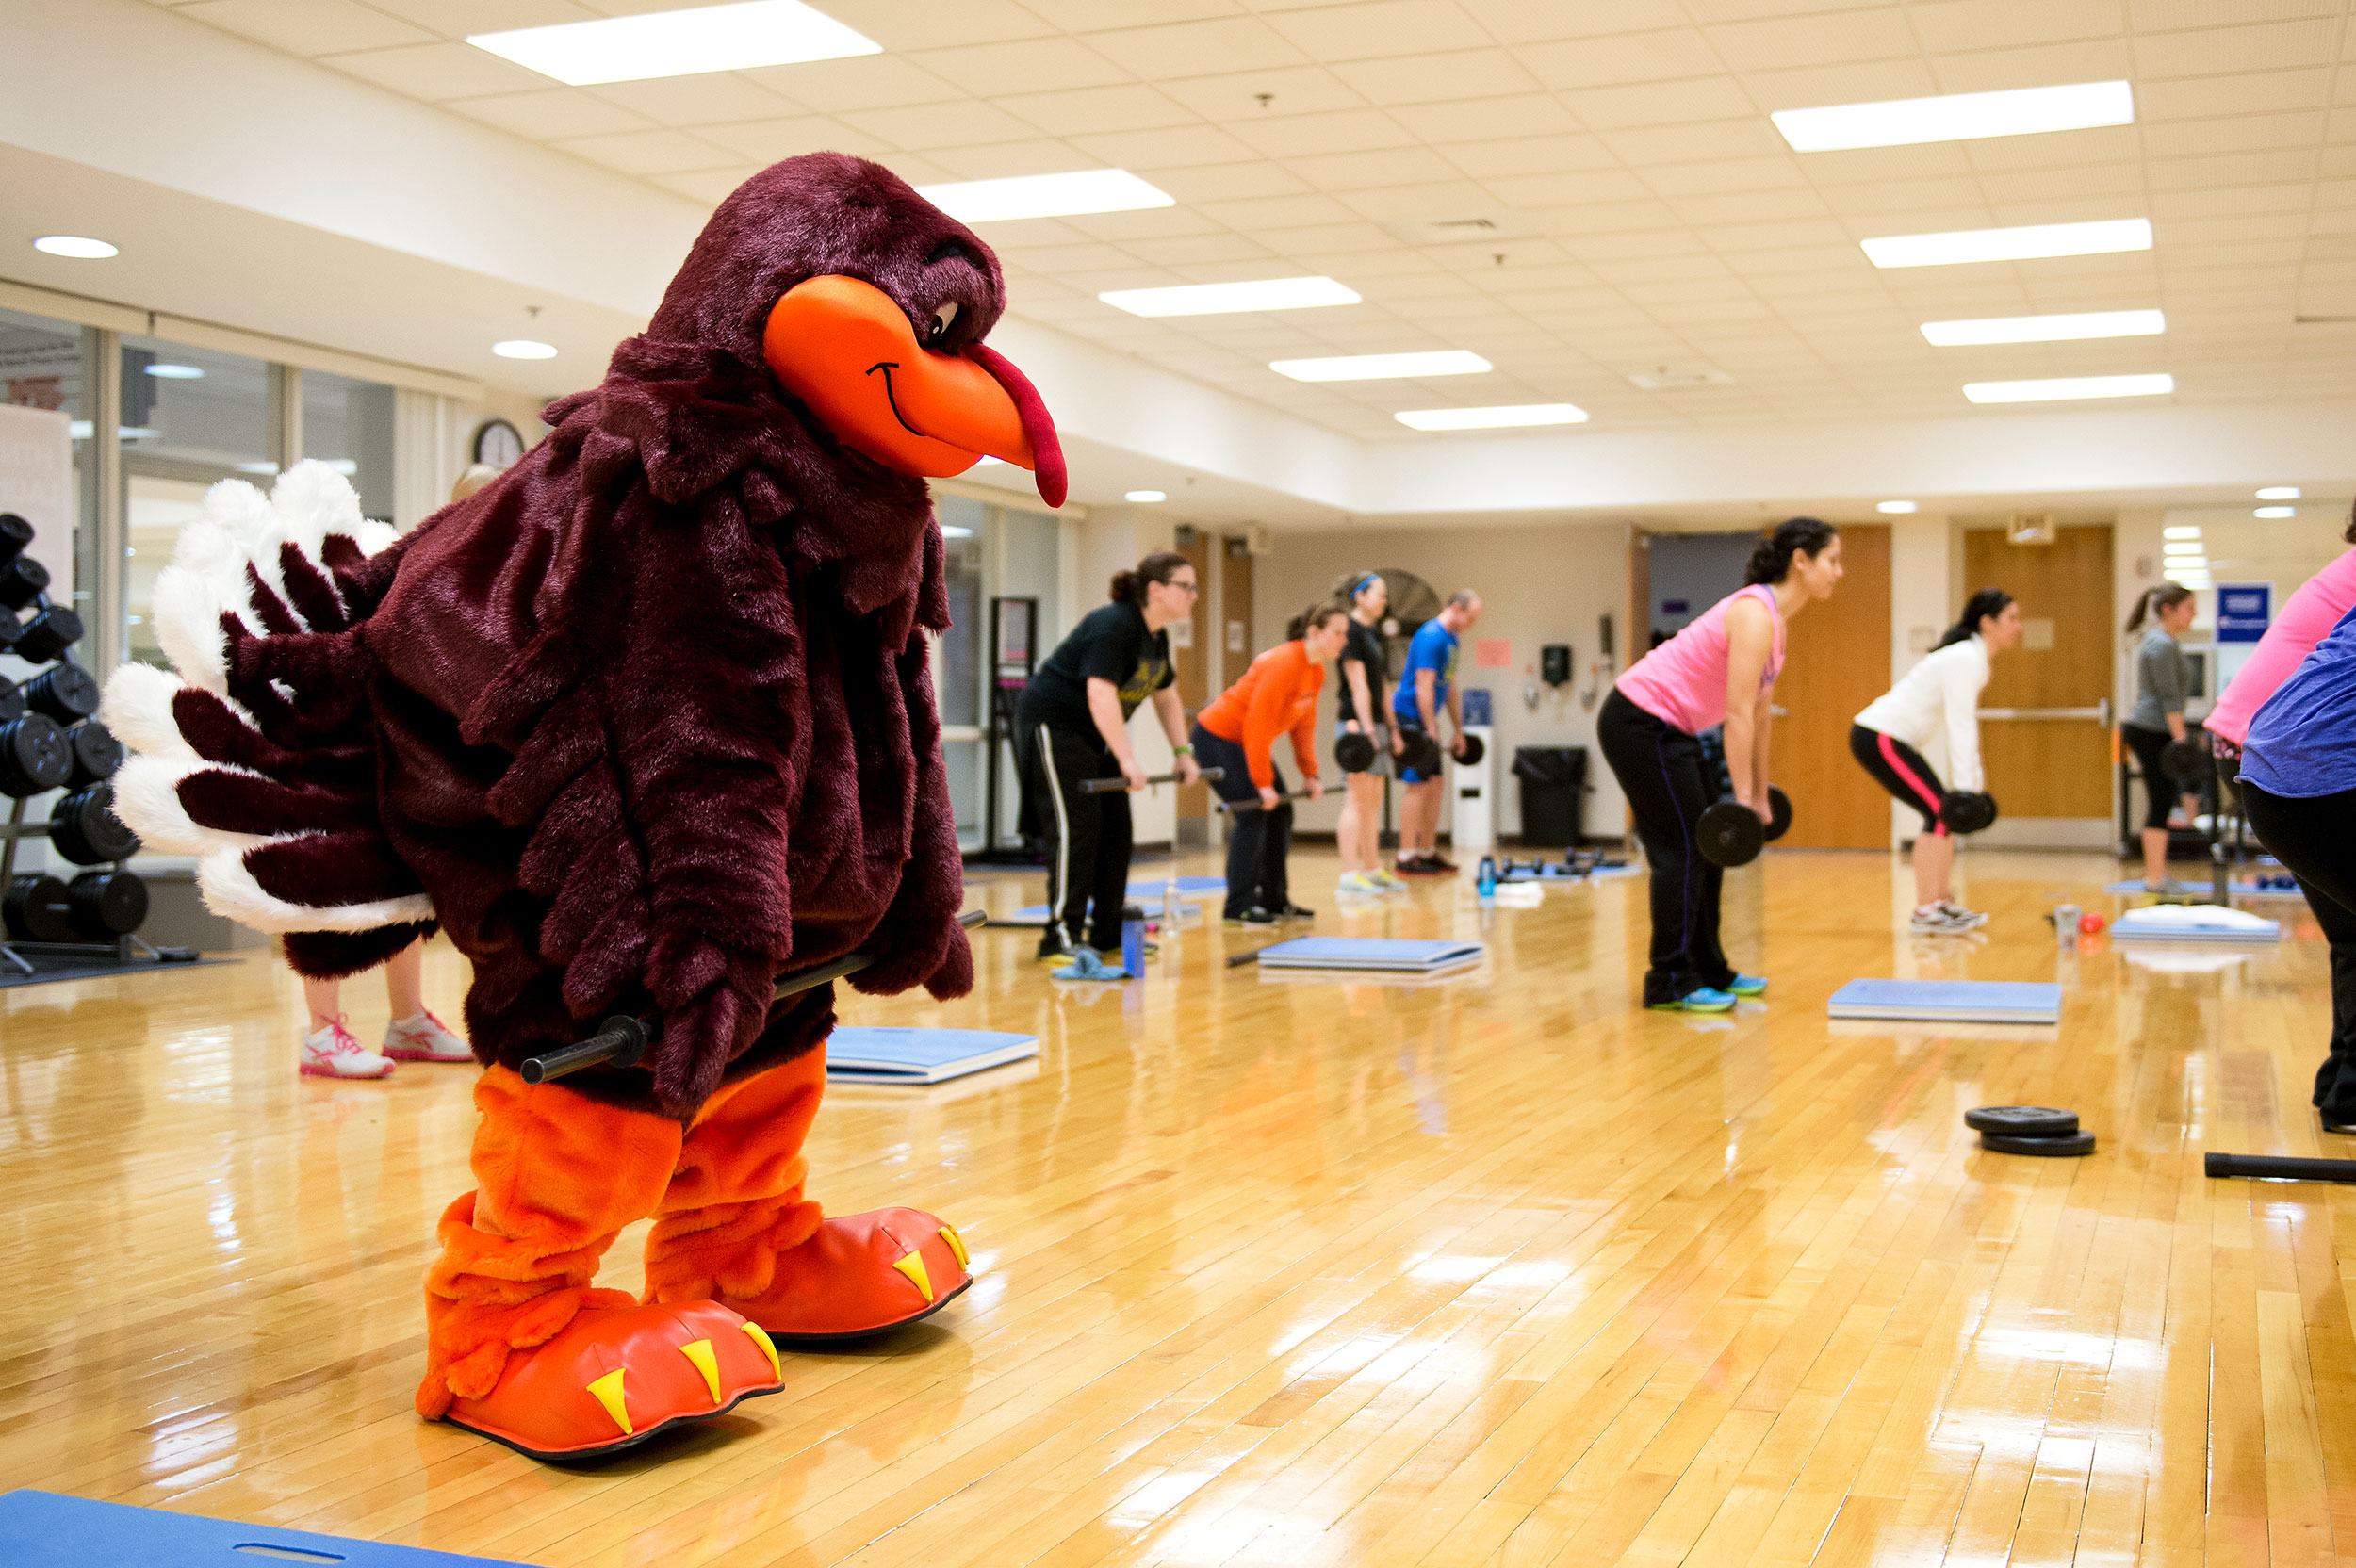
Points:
(136, 707)
(229, 890)
(147, 799)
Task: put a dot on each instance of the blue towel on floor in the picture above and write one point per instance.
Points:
(1087, 966)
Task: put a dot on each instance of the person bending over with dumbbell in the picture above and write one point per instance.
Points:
(2163, 682)
(2299, 789)
(1072, 726)
(1361, 698)
(1425, 686)
(1721, 668)
(1939, 695)
(1236, 734)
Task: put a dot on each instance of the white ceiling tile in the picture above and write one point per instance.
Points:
(1081, 16)
(1081, 111)
(2237, 134)
(1417, 203)
(1364, 171)
(651, 152)
(927, 126)
(2212, 51)
(1488, 161)
(1154, 222)
(1221, 47)
(1946, 27)
(2043, 65)
(704, 99)
(1534, 20)
(1172, 147)
(433, 72)
(1044, 64)
(1436, 78)
(2155, 16)
(1000, 161)
(1338, 131)
(903, 25)
(1749, 206)
(1530, 114)
(458, 18)
(2251, 92)
(1228, 182)
(1625, 57)
(1300, 90)
(1526, 192)
(1265, 212)
(2233, 168)
(708, 186)
(307, 27)
(1604, 245)
(1373, 28)
(550, 112)
(1360, 246)
(768, 140)
(1662, 104)
(2111, 144)
(1205, 257)
(861, 82)
(2064, 184)
(1783, 42)
(2169, 204)
(1724, 175)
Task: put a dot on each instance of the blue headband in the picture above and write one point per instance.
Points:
(1370, 576)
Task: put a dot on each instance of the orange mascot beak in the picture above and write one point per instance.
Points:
(847, 350)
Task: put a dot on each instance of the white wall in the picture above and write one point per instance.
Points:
(1538, 584)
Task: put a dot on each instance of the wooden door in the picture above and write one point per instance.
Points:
(1194, 661)
(1236, 647)
(1836, 661)
(2052, 761)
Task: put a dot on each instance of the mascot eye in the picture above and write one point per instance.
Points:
(941, 319)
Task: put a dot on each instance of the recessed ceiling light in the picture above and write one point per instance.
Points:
(2062, 388)
(175, 372)
(1894, 506)
(259, 467)
(1957, 116)
(523, 348)
(1145, 497)
(951, 531)
(80, 247)
(2020, 244)
(1438, 362)
(2275, 511)
(2046, 329)
(1083, 191)
(1221, 299)
(678, 43)
(1507, 416)
(2180, 532)
(2181, 546)
(2279, 493)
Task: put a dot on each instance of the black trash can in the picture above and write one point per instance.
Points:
(1554, 787)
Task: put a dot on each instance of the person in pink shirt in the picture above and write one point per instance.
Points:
(2309, 612)
(1721, 668)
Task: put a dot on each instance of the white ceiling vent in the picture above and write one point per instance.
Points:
(1465, 229)
(1676, 378)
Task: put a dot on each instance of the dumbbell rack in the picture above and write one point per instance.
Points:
(126, 950)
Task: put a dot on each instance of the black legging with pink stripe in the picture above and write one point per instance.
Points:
(1900, 769)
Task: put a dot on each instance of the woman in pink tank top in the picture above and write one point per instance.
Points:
(1721, 669)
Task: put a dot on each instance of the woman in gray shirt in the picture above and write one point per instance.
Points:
(2163, 682)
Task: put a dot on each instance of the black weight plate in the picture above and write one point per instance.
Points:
(1422, 752)
(67, 692)
(1354, 753)
(107, 904)
(15, 533)
(1778, 812)
(12, 700)
(86, 830)
(10, 630)
(49, 634)
(2186, 761)
(37, 908)
(1967, 812)
(96, 752)
(1474, 751)
(2023, 1121)
(1730, 834)
(23, 581)
(33, 756)
(2077, 1143)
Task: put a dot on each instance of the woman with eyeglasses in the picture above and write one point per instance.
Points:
(1073, 725)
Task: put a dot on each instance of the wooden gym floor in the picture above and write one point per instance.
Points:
(1494, 1270)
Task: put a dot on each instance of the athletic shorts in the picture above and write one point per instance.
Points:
(1900, 769)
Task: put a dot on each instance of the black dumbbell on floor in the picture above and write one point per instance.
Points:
(1732, 834)
(95, 906)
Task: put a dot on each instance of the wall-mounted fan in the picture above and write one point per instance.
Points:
(1412, 602)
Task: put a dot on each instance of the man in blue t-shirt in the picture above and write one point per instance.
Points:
(1427, 683)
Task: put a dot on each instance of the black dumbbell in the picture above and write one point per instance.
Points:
(97, 755)
(67, 692)
(1967, 810)
(84, 829)
(12, 700)
(1421, 753)
(33, 756)
(37, 908)
(11, 631)
(15, 533)
(47, 634)
(2186, 761)
(1354, 753)
(106, 904)
(1474, 751)
(23, 581)
(1732, 835)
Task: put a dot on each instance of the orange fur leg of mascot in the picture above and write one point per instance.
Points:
(734, 1227)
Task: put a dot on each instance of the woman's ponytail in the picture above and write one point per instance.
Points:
(2166, 596)
(1313, 617)
(1129, 587)
(1988, 602)
(1771, 562)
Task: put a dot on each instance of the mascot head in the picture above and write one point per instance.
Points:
(870, 305)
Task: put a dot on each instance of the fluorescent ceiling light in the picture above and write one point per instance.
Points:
(2181, 546)
(1957, 116)
(1439, 362)
(2275, 511)
(80, 247)
(2047, 329)
(2181, 532)
(2279, 493)
(257, 467)
(2021, 244)
(175, 372)
(1505, 416)
(2188, 579)
(523, 348)
(1082, 190)
(1221, 299)
(1145, 497)
(2062, 388)
(950, 530)
(1894, 506)
(678, 44)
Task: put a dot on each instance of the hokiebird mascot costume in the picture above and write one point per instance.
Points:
(643, 726)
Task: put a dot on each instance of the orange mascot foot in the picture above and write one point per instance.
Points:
(615, 1375)
(860, 1274)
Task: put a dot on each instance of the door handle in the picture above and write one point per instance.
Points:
(2100, 713)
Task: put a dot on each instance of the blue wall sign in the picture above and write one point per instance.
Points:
(2243, 609)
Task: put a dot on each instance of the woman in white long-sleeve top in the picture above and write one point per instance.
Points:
(1939, 695)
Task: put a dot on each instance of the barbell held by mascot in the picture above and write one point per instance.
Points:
(643, 726)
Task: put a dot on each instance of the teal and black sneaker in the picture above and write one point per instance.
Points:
(1702, 999)
(1749, 985)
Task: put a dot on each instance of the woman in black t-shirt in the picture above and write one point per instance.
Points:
(1073, 725)
(1362, 696)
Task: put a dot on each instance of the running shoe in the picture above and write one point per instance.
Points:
(1051, 953)
(1974, 916)
(1939, 919)
(1749, 985)
(1358, 884)
(1295, 911)
(1253, 916)
(331, 1053)
(423, 1038)
(1703, 1000)
(1385, 883)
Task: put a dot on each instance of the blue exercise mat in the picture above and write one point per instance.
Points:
(41, 1529)
(2201, 890)
(2193, 922)
(886, 1056)
(1185, 884)
(1371, 953)
(1949, 1001)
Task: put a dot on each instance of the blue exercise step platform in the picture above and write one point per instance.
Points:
(43, 1529)
(887, 1055)
(2194, 922)
(1395, 954)
(1949, 1000)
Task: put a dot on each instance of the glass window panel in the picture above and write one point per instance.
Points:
(192, 409)
(1034, 552)
(42, 366)
(963, 525)
(962, 761)
(348, 423)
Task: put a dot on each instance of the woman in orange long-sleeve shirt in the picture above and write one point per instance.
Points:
(1237, 733)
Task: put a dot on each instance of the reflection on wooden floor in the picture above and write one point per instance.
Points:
(1490, 1270)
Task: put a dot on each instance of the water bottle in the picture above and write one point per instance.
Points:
(1133, 940)
(1486, 876)
(1169, 906)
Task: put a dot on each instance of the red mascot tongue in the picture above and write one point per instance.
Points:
(846, 349)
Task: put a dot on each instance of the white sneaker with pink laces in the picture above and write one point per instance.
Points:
(422, 1037)
(331, 1053)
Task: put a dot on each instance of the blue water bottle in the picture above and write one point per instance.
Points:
(1133, 940)
(1485, 877)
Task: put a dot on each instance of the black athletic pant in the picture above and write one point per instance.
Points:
(1661, 770)
(1900, 769)
(1257, 841)
(2316, 841)
(2159, 790)
(1088, 835)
